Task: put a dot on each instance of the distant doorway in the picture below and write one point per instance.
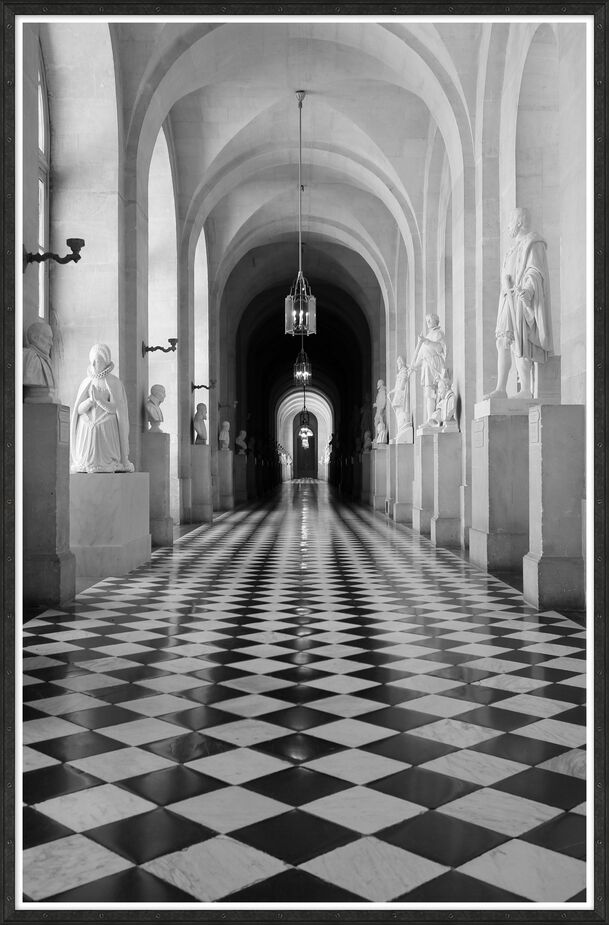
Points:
(305, 456)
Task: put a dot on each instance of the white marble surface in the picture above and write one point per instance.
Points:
(95, 806)
(171, 683)
(215, 868)
(475, 767)
(455, 732)
(437, 705)
(39, 730)
(553, 730)
(427, 684)
(362, 809)
(88, 682)
(238, 765)
(254, 705)
(500, 812)
(351, 732)
(356, 766)
(121, 764)
(68, 703)
(535, 706)
(531, 871)
(33, 760)
(258, 684)
(374, 869)
(246, 732)
(506, 682)
(66, 863)
(347, 705)
(229, 809)
(342, 684)
(572, 763)
(157, 705)
(142, 731)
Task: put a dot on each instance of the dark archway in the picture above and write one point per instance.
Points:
(305, 455)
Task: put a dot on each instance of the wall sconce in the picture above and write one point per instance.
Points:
(212, 385)
(75, 245)
(172, 346)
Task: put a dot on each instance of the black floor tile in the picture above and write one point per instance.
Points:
(302, 693)
(426, 788)
(298, 718)
(133, 885)
(454, 887)
(171, 785)
(98, 717)
(497, 718)
(293, 886)
(149, 835)
(295, 837)
(79, 745)
(46, 783)
(410, 749)
(297, 786)
(298, 747)
(39, 829)
(442, 838)
(198, 718)
(519, 748)
(545, 787)
(565, 834)
(399, 718)
(184, 748)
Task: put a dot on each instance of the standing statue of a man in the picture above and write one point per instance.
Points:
(523, 330)
(380, 414)
(429, 357)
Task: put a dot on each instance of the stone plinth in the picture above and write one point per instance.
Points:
(155, 461)
(48, 564)
(109, 524)
(423, 483)
(366, 477)
(240, 478)
(225, 479)
(446, 520)
(201, 505)
(553, 569)
(547, 376)
(392, 464)
(378, 482)
(499, 534)
(402, 507)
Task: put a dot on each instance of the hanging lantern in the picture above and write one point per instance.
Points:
(302, 369)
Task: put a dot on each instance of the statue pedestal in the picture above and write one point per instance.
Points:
(201, 506)
(402, 508)
(547, 381)
(446, 520)
(499, 534)
(225, 479)
(553, 569)
(378, 484)
(109, 524)
(423, 483)
(366, 477)
(390, 490)
(48, 565)
(240, 478)
(155, 461)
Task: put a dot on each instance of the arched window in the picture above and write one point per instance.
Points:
(43, 188)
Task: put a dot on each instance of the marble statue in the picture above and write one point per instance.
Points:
(429, 357)
(100, 422)
(199, 423)
(367, 442)
(523, 330)
(241, 443)
(380, 415)
(444, 417)
(154, 415)
(37, 369)
(400, 397)
(224, 438)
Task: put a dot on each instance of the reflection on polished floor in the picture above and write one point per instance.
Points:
(304, 703)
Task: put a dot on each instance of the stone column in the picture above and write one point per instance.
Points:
(378, 484)
(402, 508)
(202, 506)
(155, 461)
(240, 478)
(447, 465)
(225, 479)
(423, 483)
(499, 535)
(553, 569)
(48, 564)
(366, 477)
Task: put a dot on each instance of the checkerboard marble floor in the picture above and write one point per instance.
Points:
(303, 703)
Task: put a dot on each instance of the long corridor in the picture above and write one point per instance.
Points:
(304, 704)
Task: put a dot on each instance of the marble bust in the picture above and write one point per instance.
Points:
(241, 443)
(367, 447)
(99, 432)
(224, 437)
(444, 417)
(380, 415)
(154, 415)
(523, 331)
(37, 369)
(199, 423)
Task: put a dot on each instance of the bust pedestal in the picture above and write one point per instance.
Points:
(109, 524)
(202, 506)
(379, 476)
(155, 461)
(446, 520)
(240, 478)
(404, 474)
(225, 479)
(423, 483)
(48, 564)
(499, 534)
(553, 569)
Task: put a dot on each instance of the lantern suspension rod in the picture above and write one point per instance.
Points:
(300, 95)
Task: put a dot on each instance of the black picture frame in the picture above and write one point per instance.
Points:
(9, 10)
